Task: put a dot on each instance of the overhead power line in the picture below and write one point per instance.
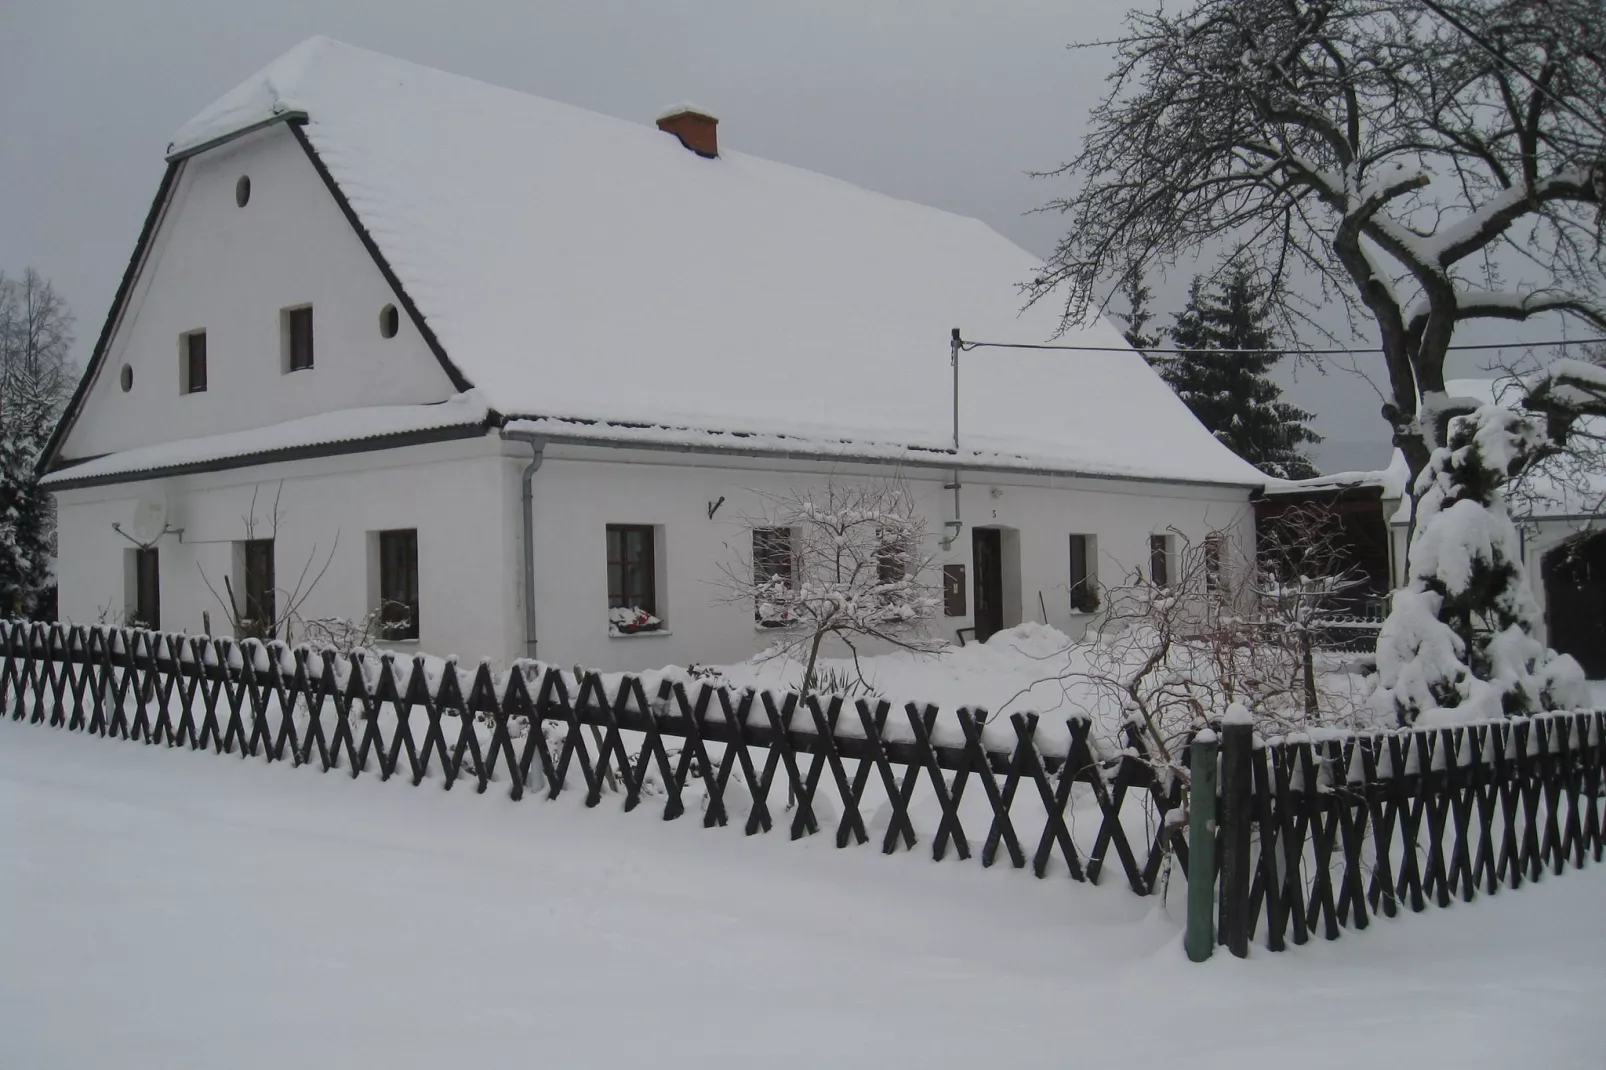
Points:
(1505, 61)
(1290, 351)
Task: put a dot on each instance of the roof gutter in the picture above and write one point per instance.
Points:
(527, 527)
(938, 459)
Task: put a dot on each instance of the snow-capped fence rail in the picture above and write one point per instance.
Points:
(837, 766)
(1340, 829)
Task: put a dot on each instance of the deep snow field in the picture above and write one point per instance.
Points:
(173, 909)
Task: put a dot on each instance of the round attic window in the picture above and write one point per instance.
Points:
(126, 378)
(389, 321)
(242, 190)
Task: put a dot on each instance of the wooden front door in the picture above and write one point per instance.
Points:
(1575, 602)
(988, 548)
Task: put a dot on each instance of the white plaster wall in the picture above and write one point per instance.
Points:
(576, 496)
(461, 496)
(230, 270)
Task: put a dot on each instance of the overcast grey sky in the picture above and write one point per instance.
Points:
(946, 102)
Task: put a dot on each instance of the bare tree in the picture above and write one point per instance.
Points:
(36, 336)
(849, 560)
(1220, 628)
(1424, 181)
(1307, 587)
(276, 611)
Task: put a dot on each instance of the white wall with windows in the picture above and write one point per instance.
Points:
(236, 272)
(610, 527)
(460, 498)
(580, 492)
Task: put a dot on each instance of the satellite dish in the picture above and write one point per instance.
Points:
(150, 519)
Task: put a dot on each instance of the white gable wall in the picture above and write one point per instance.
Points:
(229, 270)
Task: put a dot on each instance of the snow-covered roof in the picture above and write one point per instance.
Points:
(1390, 481)
(1545, 495)
(384, 423)
(576, 266)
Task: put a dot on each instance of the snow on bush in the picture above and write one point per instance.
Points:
(849, 561)
(1461, 636)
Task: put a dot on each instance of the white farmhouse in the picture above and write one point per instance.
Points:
(511, 364)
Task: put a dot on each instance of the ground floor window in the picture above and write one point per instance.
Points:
(259, 611)
(398, 583)
(1212, 561)
(1084, 575)
(1160, 560)
(632, 578)
(772, 575)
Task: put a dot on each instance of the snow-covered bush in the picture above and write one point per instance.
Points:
(1223, 631)
(1461, 635)
(847, 560)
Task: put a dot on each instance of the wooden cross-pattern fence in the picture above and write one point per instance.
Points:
(1335, 832)
(791, 758)
(1325, 834)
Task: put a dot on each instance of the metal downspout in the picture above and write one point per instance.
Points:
(527, 523)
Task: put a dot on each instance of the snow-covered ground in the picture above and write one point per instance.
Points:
(1028, 668)
(165, 908)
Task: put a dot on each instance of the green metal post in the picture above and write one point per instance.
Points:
(1201, 936)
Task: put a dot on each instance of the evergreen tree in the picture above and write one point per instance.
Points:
(1462, 634)
(1137, 316)
(25, 521)
(1229, 392)
(35, 380)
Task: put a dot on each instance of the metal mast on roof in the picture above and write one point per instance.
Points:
(955, 344)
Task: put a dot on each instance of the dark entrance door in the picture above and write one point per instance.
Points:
(1575, 602)
(988, 548)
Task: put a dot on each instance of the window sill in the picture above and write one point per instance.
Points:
(614, 633)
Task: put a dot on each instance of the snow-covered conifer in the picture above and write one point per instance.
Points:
(1230, 392)
(35, 336)
(1461, 635)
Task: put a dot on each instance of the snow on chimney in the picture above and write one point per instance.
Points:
(695, 128)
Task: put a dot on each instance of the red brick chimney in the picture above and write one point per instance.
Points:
(695, 128)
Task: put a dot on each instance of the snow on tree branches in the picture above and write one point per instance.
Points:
(35, 336)
(1366, 144)
(849, 560)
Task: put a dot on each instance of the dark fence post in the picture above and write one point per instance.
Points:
(1201, 936)
(1237, 812)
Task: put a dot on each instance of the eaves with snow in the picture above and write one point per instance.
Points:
(589, 273)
